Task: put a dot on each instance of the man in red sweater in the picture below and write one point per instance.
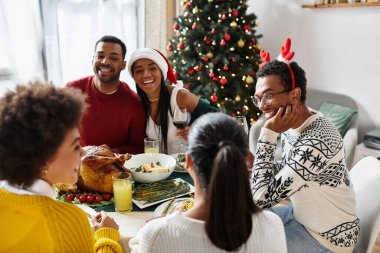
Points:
(115, 115)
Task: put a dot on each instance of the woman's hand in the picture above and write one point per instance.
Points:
(183, 133)
(102, 220)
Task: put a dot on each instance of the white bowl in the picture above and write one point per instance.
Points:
(143, 177)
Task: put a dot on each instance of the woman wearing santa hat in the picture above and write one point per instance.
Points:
(150, 68)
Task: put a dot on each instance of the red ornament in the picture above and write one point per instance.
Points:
(253, 40)
(205, 38)
(227, 37)
(197, 68)
(194, 26)
(187, 86)
(180, 46)
(223, 43)
(247, 27)
(205, 59)
(235, 13)
(223, 81)
(177, 33)
(234, 60)
(176, 26)
(224, 17)
(215, 78)
(252, 73)
(225, 68)
(186, 14)
(190, 3)
(213, 31)
(190, 71)
(214, 98)
(211, 74)
(169, 47)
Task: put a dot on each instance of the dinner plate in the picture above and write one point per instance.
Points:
(180, 166)
(158, 211)
(141, 204)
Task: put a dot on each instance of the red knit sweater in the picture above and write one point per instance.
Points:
(117, 119)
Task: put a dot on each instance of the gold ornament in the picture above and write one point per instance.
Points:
(195, 10)
(233, 24)
(237, 99)
(249, 79)
(210, 55)
(240, 43)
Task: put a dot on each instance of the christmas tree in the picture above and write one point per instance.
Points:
(214, 51)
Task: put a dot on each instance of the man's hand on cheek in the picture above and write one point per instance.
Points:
(284, 119)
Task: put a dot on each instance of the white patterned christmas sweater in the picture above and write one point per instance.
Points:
(313, 175)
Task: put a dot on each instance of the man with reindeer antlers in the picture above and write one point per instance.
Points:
(312, 173)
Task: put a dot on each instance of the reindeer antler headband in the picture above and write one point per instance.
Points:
(285, 56)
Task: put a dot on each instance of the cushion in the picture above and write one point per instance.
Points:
(341, 116)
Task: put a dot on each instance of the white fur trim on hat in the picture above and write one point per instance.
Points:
(151, 54)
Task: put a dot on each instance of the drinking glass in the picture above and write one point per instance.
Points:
(151, 145)
(122, 192)
(242, 121)
(180, 120)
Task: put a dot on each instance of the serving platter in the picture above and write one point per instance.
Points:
(142, 204)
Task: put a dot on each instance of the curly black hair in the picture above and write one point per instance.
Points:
(34, 120)
(281, 69)
(115, 40)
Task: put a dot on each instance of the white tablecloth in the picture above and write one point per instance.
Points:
(129, 224)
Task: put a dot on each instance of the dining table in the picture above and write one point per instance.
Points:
(130, 223)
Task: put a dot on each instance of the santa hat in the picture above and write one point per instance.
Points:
(157, 57)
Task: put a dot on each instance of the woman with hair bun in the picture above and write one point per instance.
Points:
(224, 216)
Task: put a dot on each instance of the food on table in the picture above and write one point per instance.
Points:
(154, 192)
(181, 205)
(180, 163)
(153, 167)
(98, 166)
(77, 196)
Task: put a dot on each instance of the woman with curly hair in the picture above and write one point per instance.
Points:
(39, 147)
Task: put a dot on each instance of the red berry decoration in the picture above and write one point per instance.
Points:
(176, 26)
(83, 198)
(180, 46)
(190, 71)
(223, 81)
(225, 68)
(214, 98)
(98, 199)
(107, 196)
(235, 13)
(227, 37)
(70, 197)
(90, 199)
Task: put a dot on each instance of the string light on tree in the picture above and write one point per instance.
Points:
(218, 42)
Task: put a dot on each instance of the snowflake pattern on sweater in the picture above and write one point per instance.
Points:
(313, 175)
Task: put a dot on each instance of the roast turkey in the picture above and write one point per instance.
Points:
(98, 165)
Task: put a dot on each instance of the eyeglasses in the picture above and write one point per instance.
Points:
(267, 97)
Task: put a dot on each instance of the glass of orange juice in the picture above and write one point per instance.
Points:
(122, 192)
(151, 145)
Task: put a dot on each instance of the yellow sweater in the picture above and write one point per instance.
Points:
(33, 223)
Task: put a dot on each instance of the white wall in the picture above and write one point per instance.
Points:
(339, 48)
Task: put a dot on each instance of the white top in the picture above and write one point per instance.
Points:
(39, 187)
(178, 233)
(314, 176)
(154, 131)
